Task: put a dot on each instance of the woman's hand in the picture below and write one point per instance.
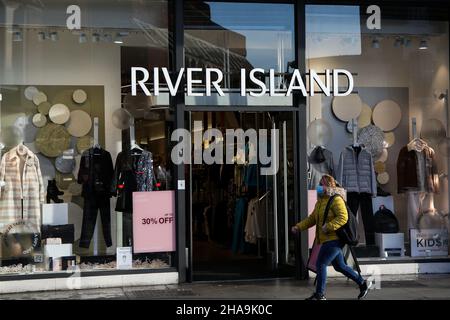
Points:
(294, 230)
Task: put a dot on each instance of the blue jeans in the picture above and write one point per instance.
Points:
(331, 252)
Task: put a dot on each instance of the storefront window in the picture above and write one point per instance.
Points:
(71, 158)
(387, 143)
(235, 36)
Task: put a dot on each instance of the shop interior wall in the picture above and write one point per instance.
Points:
(421, 72)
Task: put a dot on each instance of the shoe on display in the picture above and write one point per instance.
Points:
(316, 296)
(53, 192)
(364, 289)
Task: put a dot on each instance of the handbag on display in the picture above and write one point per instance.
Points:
(64, 231)
(385, 221)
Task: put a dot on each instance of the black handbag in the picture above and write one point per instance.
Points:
(65, 231)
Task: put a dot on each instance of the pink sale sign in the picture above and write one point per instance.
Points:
(154, 221)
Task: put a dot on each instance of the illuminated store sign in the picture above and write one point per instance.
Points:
(326, 83)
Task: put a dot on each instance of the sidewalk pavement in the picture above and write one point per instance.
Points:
(403, 287)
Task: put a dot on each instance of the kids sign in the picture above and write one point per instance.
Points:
(154, 221)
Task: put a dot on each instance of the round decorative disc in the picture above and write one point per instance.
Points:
(347, 107)
(59, 113)
(39, 97)
(383, 178)
(380, 167)
(44, 108)
(365, 117)
(52, 140)
(121, 119)
(319, 132)
(65, 163)
(39, 120)
(63, 181)
(372, 138)
(30, 92)
(80, 123)
(84, 143)
(389, 139)
(383, 156)
(387, 115)
(79, 96)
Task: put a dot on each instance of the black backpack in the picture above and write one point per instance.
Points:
(348, 233)
(385, 221)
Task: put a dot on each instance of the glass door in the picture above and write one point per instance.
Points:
(241, 183)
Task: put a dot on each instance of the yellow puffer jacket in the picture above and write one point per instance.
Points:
(337, 216)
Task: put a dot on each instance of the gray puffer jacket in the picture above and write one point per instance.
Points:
(356, 172)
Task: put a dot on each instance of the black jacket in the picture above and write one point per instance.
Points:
(96, 173)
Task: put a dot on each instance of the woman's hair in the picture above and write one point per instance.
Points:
(328, 181)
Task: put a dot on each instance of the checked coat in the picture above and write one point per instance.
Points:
(29, 188)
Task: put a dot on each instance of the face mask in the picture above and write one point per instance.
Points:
(320, 191)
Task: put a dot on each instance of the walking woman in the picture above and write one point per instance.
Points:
(331, 247)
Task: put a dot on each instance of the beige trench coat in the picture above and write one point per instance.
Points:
(30, 188)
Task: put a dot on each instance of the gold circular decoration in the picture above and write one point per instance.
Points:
(84, 143)
(39, 120)
(52, 140)
(383, 178)
(39, 97)
(387, 115)
(80, 123)
(79, 96)
(59, 113)
(347, 107)
(64, 180)
(365, 117)
(389, 139)
(44, 107)
(383, 157)
(380, 167)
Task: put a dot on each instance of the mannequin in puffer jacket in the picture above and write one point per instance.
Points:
(356, 174)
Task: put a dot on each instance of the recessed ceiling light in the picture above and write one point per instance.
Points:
(54, 36)
(423, 45)
(17, 36)
(118, 39)
(82, 38)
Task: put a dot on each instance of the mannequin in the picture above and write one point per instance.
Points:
(417, 177)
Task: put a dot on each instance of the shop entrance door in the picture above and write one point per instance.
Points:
(241, 212)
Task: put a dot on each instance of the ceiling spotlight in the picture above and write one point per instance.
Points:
(17, 36)
(82, 38)
(54, 36)
(118, 39)
(41, 36)
(95, 37)
(408, 43)
(423, 45)
(107, 37)
(375, 43)
(398, 42)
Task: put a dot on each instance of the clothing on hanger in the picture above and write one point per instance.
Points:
(21, 200)
(320, 162)
(133, 172)
(417, 171)
(356, 172)
(96, 175)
